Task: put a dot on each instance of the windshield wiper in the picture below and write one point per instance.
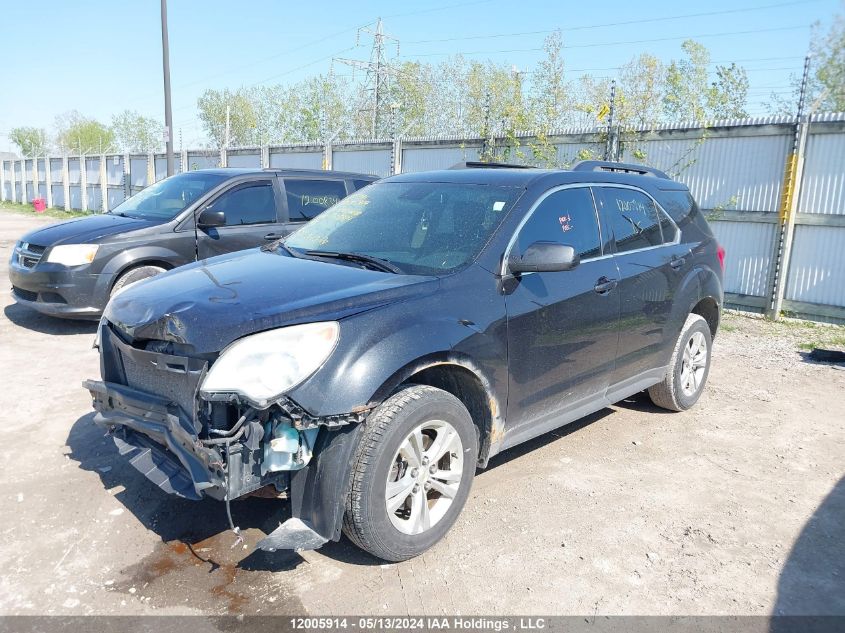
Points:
(373, 262)
(280, 244)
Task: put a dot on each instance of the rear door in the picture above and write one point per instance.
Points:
(651, 263)
(306, 198)
(562, 326)
(252, 210)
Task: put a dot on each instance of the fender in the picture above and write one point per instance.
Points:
(318, 493)
(140, 254)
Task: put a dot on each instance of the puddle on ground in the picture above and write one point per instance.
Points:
(213, 576)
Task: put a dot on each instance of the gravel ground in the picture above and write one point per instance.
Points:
(734, 507)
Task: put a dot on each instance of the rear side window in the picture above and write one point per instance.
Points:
(308, 198)
(568, 217)
(360, 184)
(250, 203)
(633, 219)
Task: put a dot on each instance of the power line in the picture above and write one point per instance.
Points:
(609, 24)
(619, 43)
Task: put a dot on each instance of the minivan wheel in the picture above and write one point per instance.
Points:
(133, 275)
(688, 368)
(412, 472)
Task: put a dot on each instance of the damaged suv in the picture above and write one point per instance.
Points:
(369, 363)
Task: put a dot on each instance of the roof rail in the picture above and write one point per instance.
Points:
(627, 168)
(474, 164)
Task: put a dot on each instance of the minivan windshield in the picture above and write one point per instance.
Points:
(418, 228)
(167, 198)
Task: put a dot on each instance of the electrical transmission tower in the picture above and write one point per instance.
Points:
(379, 73)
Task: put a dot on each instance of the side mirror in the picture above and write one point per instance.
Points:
(544, 257)
(210, 218)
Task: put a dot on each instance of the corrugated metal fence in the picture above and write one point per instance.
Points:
(735, 169)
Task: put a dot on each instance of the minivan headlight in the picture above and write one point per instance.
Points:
(72, 254)
(261, 367)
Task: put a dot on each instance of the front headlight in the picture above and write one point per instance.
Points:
(261, 367)
(72, 254)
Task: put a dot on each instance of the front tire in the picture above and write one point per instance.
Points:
(133, 275)
(412, 473)
(688, 368)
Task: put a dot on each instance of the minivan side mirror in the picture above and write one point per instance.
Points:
(210, 218)
(544, 257)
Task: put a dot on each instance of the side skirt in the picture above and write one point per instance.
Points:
(585, 406)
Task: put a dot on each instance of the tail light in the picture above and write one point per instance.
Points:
(720, 253)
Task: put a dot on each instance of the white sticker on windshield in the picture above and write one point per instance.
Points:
(498, 206)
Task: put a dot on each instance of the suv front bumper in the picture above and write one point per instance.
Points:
(151, 433)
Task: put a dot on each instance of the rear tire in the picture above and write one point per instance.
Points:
(133, 275)
(412, 473)
(688, 368)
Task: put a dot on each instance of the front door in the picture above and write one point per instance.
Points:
(251, 211)
(562, 326)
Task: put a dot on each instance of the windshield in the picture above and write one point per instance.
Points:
(421, 228)
(167, 198)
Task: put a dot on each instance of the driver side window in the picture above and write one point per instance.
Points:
(568, 217)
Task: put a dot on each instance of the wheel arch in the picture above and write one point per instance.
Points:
(460, 376)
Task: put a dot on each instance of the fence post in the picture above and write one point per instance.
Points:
(48, 178)
(265, 156)
(397, 156)
(66, 182)
(23, 181)
(224, 157)
(83, 183)
(34, 174)
(183, 161)
(2, 181)
(104, 184)
(151, 169)
(127, 176)
(327, 155)
(785, 234)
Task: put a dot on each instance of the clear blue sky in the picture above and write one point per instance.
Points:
(101, 57)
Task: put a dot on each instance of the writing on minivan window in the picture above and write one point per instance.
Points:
(322, 201)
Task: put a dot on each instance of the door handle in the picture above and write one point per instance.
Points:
(677, 262)
(273, 236)
(605, 285)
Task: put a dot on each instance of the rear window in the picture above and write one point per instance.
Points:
(308, 198)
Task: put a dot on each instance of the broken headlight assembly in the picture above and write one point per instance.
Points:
(262, 367)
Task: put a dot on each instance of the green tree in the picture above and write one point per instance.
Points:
(691, 93)
(827, 90)
(78, 134)
(32, 141)
(640, 92)
(136, 133)
(212, 106)
(550, 104)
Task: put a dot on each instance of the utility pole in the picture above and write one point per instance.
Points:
(168, 115)
(379, 73)
(789, 203)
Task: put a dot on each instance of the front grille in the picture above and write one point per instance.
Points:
(26, 295)
(29, 254)
(170, 376)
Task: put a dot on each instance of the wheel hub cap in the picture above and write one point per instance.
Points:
(693, 364)
(425, 477)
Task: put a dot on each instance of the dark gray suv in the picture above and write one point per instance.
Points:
(70, 269)
(371, 361)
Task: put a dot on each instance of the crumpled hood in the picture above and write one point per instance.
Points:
(211, 303)
(84, 230)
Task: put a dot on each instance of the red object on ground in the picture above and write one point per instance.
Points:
(39, 204)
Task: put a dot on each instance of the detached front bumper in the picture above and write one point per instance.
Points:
(152, 434)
